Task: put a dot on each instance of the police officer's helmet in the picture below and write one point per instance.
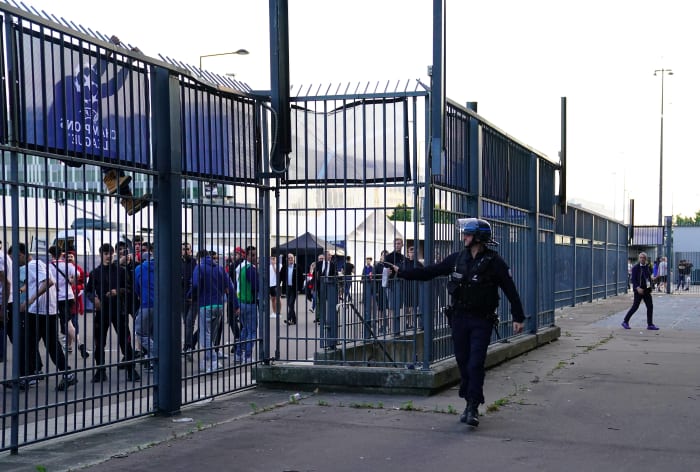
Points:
(480, 229)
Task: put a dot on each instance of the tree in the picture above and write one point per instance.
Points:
(688, 220)
(401, 213)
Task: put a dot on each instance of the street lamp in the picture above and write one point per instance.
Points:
(663, 72)
(240, 52)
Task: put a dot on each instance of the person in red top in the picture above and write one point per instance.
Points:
(78, 307)
(78, 285)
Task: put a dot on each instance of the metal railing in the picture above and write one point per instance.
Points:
(142, 150)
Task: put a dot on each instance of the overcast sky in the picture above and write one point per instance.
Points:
(516, 58)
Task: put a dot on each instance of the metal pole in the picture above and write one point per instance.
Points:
(661, 152)
(240, 52)
(663, 72)
(168, 215)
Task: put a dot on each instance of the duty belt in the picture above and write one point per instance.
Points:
(462, 309)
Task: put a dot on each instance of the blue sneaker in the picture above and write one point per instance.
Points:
(626, 325)
(652, 327)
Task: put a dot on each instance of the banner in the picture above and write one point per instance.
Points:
(219, 132)
(364, 141)
(76, 102)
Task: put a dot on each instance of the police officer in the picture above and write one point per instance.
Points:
(475, 273)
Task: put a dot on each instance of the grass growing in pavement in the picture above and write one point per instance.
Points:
(495, 406)
(369, 406)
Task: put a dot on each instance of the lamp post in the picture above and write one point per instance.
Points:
(663, 72)
(240, 52)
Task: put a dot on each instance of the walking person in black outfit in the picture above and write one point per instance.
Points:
(107, 289)
(476, 273)
(396, 292)
(290, 283)
(641, 287)
(189, 314)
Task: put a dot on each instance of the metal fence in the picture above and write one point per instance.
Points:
(100, 144)
(367, 188)
(590, 257)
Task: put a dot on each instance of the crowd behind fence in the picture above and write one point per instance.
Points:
(161, 170)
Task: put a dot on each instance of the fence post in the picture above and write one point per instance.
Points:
(168, 228)
(533, 281)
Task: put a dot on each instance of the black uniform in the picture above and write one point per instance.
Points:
(474, 301)
(189, 313)
(102, 280)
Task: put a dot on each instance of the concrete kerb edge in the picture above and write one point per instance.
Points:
(388, 380)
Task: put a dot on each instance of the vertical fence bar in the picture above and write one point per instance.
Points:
(168, 218)
(533, 251)
(14, 202)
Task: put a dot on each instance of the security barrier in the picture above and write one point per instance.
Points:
(169, 165)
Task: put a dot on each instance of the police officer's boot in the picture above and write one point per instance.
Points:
(471, 413)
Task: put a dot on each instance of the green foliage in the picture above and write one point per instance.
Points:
(401, 213)
(442, 216)
(367, 406)
(408, 406)
(687, 220)
(495, 406)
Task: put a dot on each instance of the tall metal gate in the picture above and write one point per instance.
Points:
(104, 149)
(357, 184)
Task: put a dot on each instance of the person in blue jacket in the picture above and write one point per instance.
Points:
(212, 287)
(145, 287)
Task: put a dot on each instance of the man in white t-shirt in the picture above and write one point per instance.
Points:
(41, 309)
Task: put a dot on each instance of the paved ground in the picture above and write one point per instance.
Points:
(600, 398)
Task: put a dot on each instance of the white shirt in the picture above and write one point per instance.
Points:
(63, 286)
(273, 275)
(238, 276)
(48, 302)
(6, 267)
(290, 275)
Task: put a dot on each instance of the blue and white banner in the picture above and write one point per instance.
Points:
(77, 102)
(220, 134)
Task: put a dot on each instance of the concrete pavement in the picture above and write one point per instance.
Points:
(600, 398)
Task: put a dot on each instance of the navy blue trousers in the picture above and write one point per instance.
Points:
(647, 301)
(471, 336)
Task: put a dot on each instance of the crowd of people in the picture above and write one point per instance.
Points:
(215, 293)
(389, 306)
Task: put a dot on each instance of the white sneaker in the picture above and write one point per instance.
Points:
(273, 315)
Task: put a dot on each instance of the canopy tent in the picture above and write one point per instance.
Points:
(306, 248)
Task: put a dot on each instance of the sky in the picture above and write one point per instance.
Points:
(516, 58)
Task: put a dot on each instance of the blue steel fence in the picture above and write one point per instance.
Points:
(366, 188)
(130, 150)
(103, 145)
(590, 257)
